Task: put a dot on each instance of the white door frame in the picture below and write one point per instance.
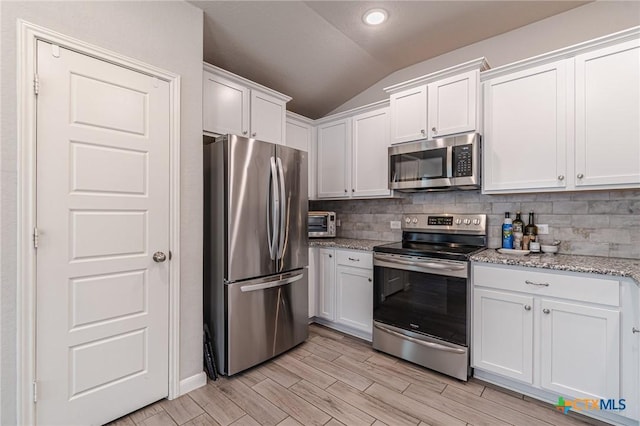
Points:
(27, 36)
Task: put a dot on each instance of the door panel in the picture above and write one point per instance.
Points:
(102, 210)
(248, 188)
(295, 253)
(262, 323)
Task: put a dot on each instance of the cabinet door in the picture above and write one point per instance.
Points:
(453, 104)
(334, 159)
(225, 106)
(580, 350)
(503, 334)
(409, 115)
(370, 167)
(300, 135)
(313, 280)
(267, 118)
(326, 284)
(354, 298)
(607, 111)
(526, 130)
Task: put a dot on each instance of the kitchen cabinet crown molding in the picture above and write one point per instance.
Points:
(479, 63)
(301, 118)
(354, 111)
(245, 82)
(563, 53)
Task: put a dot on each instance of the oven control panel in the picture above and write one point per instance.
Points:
(454, 223)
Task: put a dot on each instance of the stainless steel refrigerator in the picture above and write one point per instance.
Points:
(255, 249)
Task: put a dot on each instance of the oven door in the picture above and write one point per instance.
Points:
(422, 295)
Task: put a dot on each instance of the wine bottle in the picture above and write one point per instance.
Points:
(518, 231)
(531, 230)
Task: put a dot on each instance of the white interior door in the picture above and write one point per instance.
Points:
(102, 212)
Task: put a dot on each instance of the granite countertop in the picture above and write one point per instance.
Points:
(565, 262)
(346, 243)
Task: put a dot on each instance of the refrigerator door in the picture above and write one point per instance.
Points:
(265, 317)
(293, 241)
(252, 208)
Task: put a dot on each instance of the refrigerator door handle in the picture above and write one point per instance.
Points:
(280, 280)
(283, 211)
(272, 225)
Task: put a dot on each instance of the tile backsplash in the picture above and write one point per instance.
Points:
(599, 223)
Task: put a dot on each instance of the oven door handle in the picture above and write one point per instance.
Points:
(431, 345)
(432, 265)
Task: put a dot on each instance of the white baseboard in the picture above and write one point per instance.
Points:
(193, 382)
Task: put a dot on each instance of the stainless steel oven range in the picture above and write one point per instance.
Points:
(421, 301)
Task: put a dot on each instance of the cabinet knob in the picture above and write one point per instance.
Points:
(253, 134)
(561, 177)
(370, 280)
(244, 132)
(527, 307)
(634, 330)
(330, 255)
(423, 132)
(546, 311)
(580, 175)
(433, 129)
(353, 190)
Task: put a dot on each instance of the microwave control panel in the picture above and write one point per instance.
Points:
(463, 160)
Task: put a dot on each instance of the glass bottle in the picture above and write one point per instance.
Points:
(518, 232)
(531, 230)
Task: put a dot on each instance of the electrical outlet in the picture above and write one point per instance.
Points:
(338, 223)
(543, 229)
(395, 224)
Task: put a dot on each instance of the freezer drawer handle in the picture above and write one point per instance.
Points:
(271, 284)
(420, 342)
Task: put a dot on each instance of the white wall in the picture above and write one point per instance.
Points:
(574, 26)
(167, 34)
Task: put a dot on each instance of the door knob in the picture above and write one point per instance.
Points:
(433, 129)
(561, 177)
(159, 257)
(527, 307)
(423, 132)
(546, 311)
(253, 134)
(580, 175)
(244, 132)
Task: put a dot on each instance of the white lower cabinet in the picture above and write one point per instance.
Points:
(344, 288)
(551, 334)
(313, 278)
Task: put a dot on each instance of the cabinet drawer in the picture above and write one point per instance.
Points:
(529, 280)
(358, 259)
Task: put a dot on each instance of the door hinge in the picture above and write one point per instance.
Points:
(36, 237)
(35, 391)
(36, 84)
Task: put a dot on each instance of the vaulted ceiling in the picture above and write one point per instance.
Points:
(322, 54)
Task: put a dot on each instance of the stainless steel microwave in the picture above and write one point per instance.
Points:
(322, 224)
(439, 164)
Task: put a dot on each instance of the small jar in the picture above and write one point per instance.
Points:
(534, 246)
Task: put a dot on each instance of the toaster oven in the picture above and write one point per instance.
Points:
(322, 224)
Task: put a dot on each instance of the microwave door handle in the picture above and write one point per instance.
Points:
(449, 161)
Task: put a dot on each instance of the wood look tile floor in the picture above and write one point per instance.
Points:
(333, 379)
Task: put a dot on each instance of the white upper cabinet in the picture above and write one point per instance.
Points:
(525, 129)
(352, 154)
(334, 159)
(608, 116)
(232, 104)
(409, 114)
(567, 120)
(436, 105)
(225, 106)
(300, 134)
(370, 165)
(453, 104)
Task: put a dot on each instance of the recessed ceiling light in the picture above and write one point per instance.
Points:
(375, 16)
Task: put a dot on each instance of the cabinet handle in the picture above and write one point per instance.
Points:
(546, 311)
(527, 307)
(254, 134)
(433, 129)
(423, 132)
(345, 191)
(244, 132)
(353, 190)
(330, 255)
(536, 284)
(370, 280)
(353, 260)
(634, 330)
(561, 177)
(580, 175)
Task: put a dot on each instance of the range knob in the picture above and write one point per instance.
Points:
(476, 221)
(407, 220)
(414, 220)
(458, 221)
(467, 221)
